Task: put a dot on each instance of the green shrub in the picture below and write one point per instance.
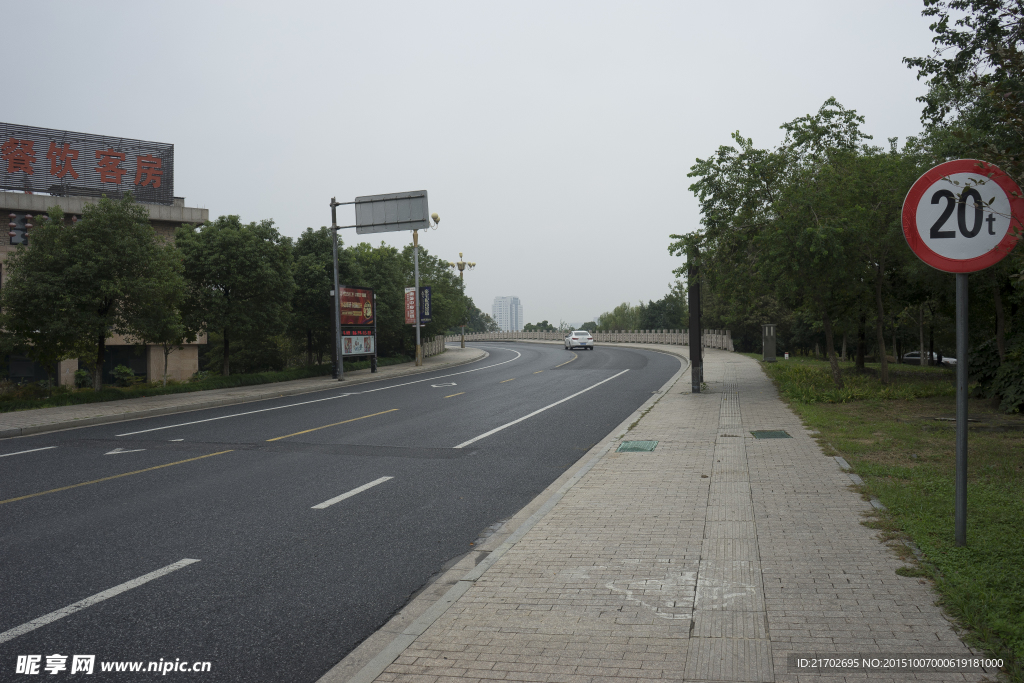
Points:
(125, 376)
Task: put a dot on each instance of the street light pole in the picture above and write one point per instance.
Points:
(416, 285)
(416, 276)
(339, 368)
(461, 265)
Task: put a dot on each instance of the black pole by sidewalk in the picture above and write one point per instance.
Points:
(696, 354)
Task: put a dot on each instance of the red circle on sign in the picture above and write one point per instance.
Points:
(970, 265)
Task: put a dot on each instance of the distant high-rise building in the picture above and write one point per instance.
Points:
(508, 313)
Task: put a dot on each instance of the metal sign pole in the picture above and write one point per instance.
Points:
(373, 361)
(961, 410)
(339, 368)
(696, 360)
(416, 275)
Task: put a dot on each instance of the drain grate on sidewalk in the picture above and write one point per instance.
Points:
(636, 447)
(771, 434)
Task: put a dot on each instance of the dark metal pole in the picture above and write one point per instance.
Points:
(961, 410)
(339, 368)
(373, 361)
(696, 356)
(416, 277)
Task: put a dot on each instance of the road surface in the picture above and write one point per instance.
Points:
(271, 538)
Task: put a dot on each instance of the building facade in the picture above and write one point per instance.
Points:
(42, 168)
(507, 312)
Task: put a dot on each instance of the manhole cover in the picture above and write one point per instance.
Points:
(771, 434)
(636, 446)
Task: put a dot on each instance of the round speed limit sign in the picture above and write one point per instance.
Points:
(963, 216)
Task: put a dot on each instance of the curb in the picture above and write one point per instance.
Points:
(215, 403)
(543, 502)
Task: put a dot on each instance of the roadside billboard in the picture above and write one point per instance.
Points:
(357, 307)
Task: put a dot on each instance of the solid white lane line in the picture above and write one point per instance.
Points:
(338, 499)
(82, 604)
(31, 450)
(537, 412)
(319, 400)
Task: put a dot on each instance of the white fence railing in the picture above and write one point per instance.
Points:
(713, 339)
(433, 347)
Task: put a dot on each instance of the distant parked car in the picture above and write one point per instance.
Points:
(914, 358)
(580, 339)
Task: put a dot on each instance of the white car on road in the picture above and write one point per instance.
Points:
(580, 339)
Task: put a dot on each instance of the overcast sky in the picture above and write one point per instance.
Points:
(554, 138)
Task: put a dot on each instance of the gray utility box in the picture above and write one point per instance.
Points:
(768, 342)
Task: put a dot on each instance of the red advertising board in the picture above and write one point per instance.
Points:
(356, 307)
(410, 305)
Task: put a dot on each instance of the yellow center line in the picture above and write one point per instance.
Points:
(307, 431)
(458, 394)
(538, 372)
(506, 380)
(116, 476)
(574, 357)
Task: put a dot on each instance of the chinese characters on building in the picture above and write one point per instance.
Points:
(65, 163)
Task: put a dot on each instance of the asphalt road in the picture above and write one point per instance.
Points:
(286, 579)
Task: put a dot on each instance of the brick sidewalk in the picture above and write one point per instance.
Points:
(711, 559)
(25, 422)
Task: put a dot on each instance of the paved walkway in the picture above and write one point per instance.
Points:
(716, 557)
(24, 422)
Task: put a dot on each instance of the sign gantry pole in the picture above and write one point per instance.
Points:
(989, 214)
(339, 368)
(385, 213)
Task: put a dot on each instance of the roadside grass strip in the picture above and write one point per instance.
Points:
(92, 600)
(902, 445)
(335, 424)
(349, 494)
(116, 476)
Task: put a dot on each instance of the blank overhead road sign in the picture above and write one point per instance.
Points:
(392, 212)
(963, 216)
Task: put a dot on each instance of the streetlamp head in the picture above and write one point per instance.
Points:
(437, 219)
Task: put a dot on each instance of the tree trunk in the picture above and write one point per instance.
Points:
(862, 342)
(920, 333)
(830, 349)
(167, 355)
(226, 370)
(101, 352)
(1000, 326)
(883, 374)
(309, 347)
(931, 344)
(895, 343)
(843, 356)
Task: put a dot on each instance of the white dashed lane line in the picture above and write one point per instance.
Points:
(92, 600)
(338, 499)
(31, 450)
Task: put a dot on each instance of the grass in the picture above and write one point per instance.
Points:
(892, 439)
(30, 398)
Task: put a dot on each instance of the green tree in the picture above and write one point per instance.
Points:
(312, 320)
(542, 326)
(79, 284)
(239, 279)
(478, 321)
(383, 269)
(625, 316)
(158, 319)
